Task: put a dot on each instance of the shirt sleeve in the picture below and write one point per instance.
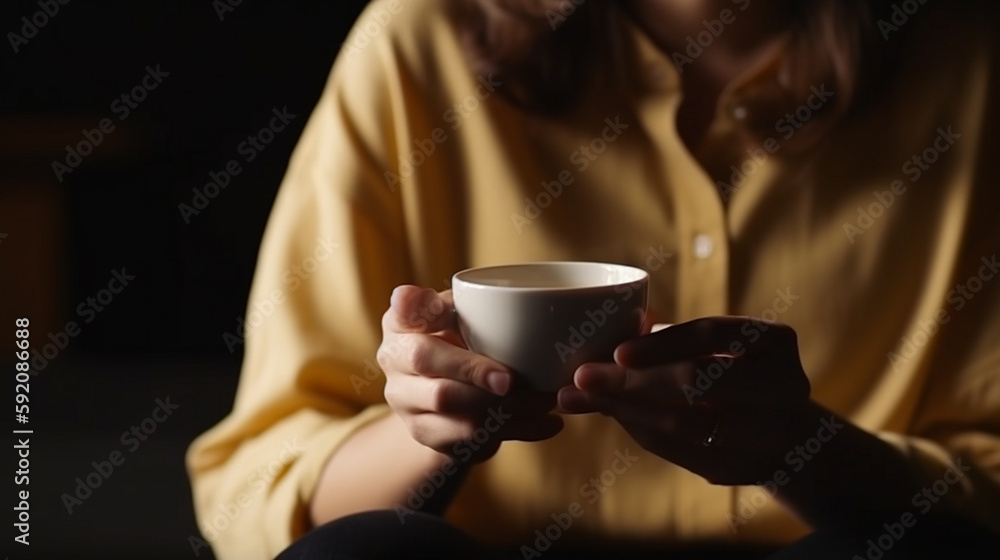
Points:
(954, 451)
(334, 247)
(954, 441)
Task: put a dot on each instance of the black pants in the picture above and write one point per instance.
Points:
(379, 535)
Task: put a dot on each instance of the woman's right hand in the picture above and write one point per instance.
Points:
(455, 401)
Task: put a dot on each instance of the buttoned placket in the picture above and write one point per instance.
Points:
(699, 214)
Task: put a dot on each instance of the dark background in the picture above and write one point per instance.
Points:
(162, 335)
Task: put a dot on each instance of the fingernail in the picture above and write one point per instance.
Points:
(498, 382)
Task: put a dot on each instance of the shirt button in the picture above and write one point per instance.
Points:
(703, 246)
(739, 112)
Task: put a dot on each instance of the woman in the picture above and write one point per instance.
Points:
(809, 185)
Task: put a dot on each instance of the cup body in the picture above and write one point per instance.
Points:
(543, 320)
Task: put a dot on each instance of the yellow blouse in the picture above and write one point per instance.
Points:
(879, 247)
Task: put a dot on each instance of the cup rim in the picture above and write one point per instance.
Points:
(642, 276)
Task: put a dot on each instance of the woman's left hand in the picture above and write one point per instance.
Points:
(723, 397)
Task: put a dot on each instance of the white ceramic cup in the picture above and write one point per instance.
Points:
(545, 319)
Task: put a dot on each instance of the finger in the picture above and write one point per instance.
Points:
(447, 434)
(679, 423)
(419, 310)
(682, 427)
(572, 400)
(751, 382)
(747, 382)
(601, 378)
(430, 356)
(701, 337)
(666, 384)
(416, 394)
(721, 380)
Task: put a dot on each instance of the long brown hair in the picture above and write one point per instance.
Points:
(545, 50)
